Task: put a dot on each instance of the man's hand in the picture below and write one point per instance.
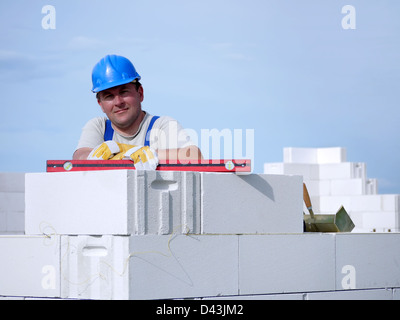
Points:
(121, 154)
(144, 158)
(104, 151)
(108, 151)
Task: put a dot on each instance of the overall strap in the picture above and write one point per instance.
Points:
(147, 140)
(109, 132)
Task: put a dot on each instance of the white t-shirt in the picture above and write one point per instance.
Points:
(167, 133)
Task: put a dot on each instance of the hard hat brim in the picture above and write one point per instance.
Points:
(113, 84)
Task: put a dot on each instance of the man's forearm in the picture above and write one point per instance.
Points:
(81, 154)
(190, 154)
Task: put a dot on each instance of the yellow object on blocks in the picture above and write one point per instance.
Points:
(123, 149)
(109, 150)
(144, 158)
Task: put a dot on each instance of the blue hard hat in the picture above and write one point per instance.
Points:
(112, 71)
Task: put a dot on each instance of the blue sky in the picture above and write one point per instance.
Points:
(286, 69)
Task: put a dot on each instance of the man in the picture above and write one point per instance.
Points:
(129, 132)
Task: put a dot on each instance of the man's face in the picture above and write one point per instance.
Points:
(122, 104)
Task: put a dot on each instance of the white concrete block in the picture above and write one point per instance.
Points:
(390, 202)
(359, 170)
(330, 204)
(164, 267)
(118, 202)
(331, 155)
(382, 220)
(149, 267)
(94, 202)
(30, 266)
(274, 168)
(12, 222)
(16, 222)
(345, 170)
(286, 263)
(366, 203)
(300, 155)
(371, 186)
(314, 155)
(12, 201)
(352, 203)
(365, 261)
(308, 171)
(372, 230)
(318, 187)
(256, 203)
(171, 202)
(95, 267)
(12, 182)
(347, 187)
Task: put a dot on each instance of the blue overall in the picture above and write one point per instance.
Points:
(109, 132)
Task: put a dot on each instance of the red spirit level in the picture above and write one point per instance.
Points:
(202, 165)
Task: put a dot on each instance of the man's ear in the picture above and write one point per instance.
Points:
(101, 106)
(141, 93)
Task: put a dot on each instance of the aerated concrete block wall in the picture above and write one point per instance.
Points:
(298, 266)
(109, 229)
(171, 235)
(332, 182)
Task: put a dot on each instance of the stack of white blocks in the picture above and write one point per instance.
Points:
(332, 182)
(163, 235)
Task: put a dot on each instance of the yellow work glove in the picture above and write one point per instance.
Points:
(123, 148)
(144, 158)
(107, 150)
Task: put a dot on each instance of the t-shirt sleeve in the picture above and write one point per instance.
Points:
(92, 133)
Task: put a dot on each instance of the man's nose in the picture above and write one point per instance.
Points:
(118, 100)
